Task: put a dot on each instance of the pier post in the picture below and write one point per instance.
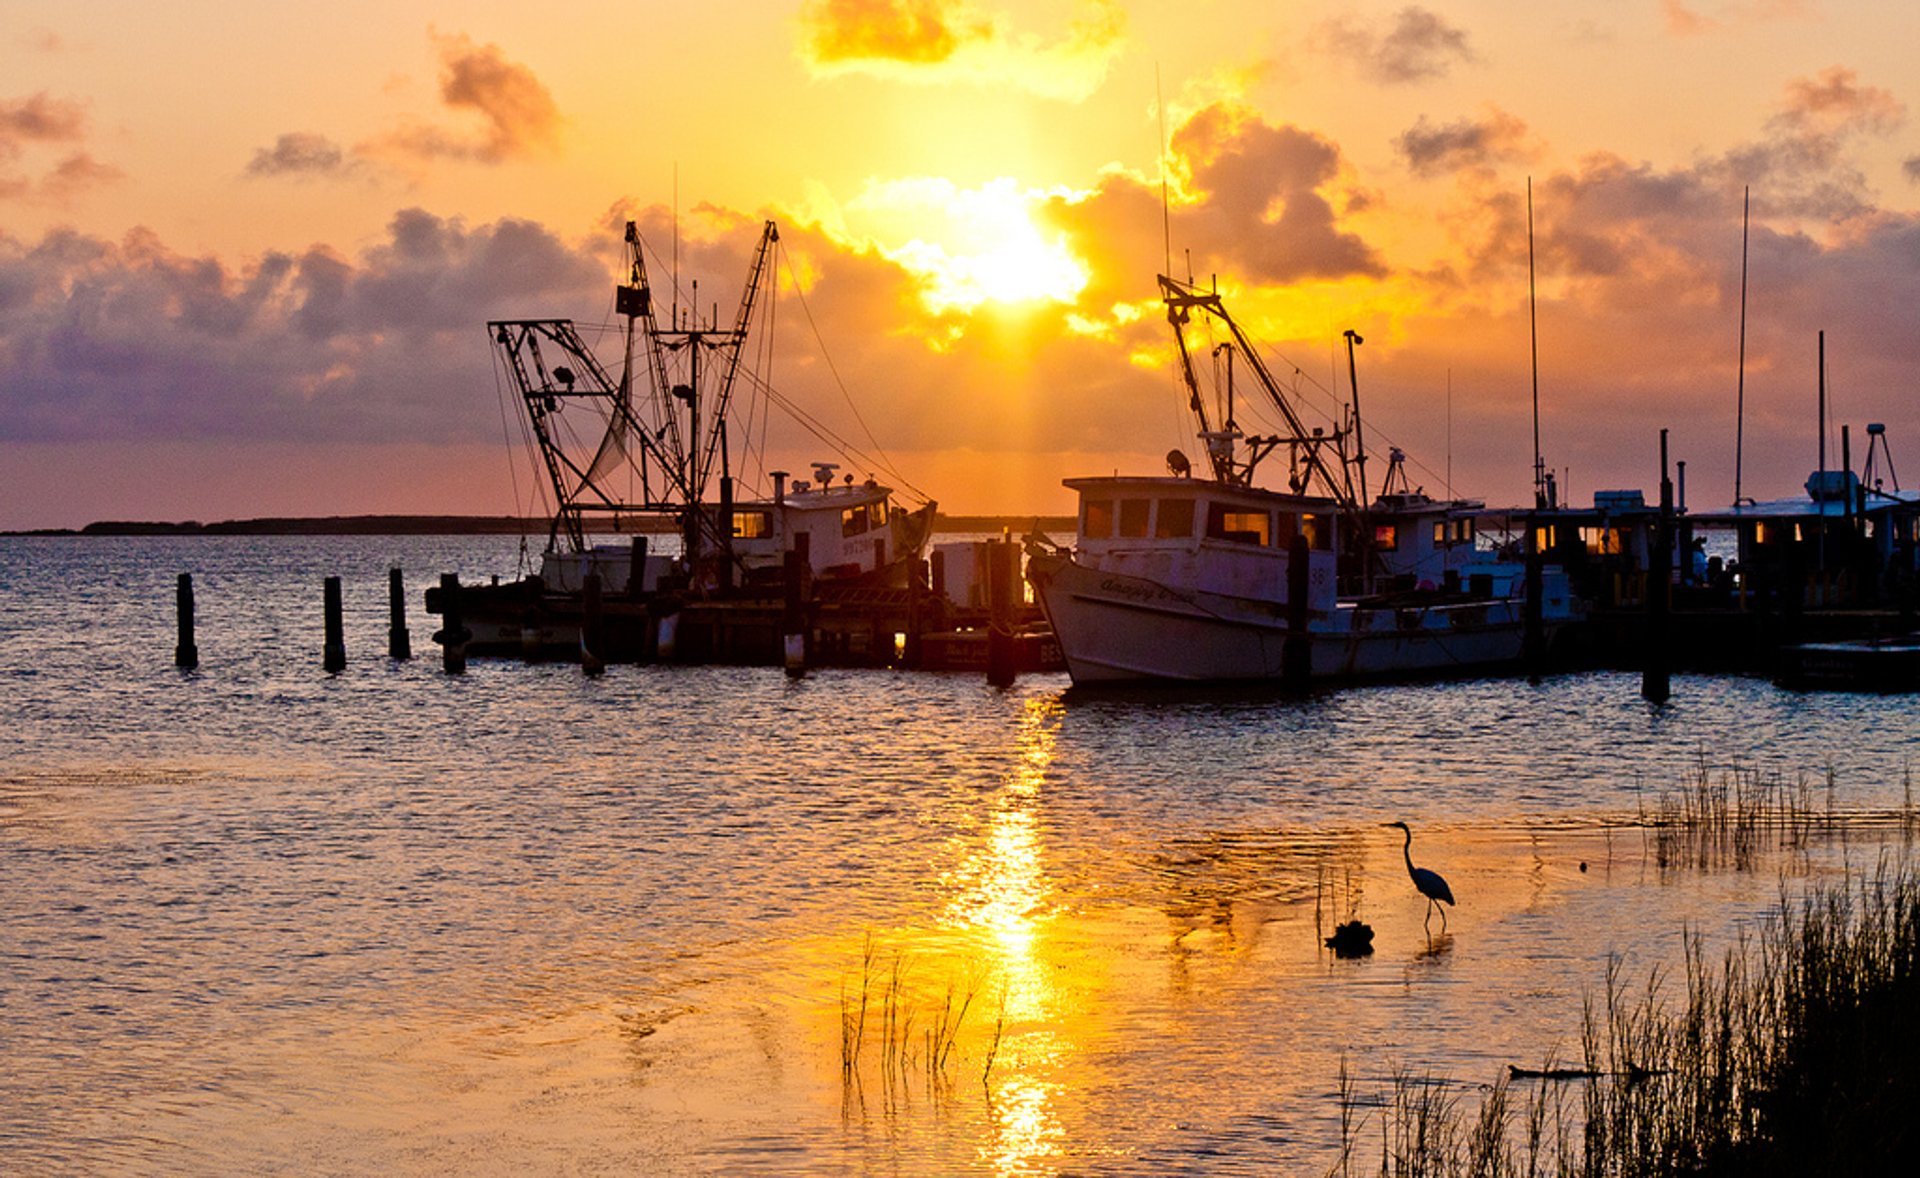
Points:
(1655, 676)
(1534, 633)
(453, 633)
(795, 566)
(334, 657)
(637, 569)
(592, 630)
(186, 655)
(399, 642)
(1296, 653)
(1002, 565)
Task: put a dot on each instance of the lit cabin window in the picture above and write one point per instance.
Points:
(1174, 520)
(1386, 537)
(1097, 519)
(1240, 527)
(1133, 517)
(1318, 529)
(1463, 531)
(1440, 539)
(855, 520)
(752, 525)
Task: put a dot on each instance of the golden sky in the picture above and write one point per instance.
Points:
(246, 251)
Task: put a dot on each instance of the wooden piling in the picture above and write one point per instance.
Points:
(399, 642)
(592, 629)
(1656, 680)
(1534, 634)
(1296, 653)
(1001, 561)
(453, 632)
(637, 569)
(795, 567)
(186, 655)
(334, 657)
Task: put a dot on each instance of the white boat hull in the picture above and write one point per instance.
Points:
(1114, 628)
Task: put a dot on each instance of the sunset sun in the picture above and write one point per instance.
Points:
(974, 246)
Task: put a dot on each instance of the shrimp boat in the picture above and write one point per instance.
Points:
(641, 457)
(1184, 577)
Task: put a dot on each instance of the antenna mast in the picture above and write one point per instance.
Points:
(1740, 402)
(1533, 335)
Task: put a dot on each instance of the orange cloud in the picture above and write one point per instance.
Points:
(43, 120)
(956, 41)
(1435, 148)
(1420, 44)
(519, 113)
(914, 31)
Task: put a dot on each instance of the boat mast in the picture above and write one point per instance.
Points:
(1533, 337)
(1740, 386)
(1182, 299)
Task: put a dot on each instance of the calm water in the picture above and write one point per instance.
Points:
(258, 919)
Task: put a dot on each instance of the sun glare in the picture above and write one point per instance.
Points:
(972, 246)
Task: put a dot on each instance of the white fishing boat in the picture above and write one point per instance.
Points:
(1180, 577)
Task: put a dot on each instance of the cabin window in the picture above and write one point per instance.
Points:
(1097, 519)
(1448, 532)
(1544, 538)
(752, 525)
(1174, 519)
(1440, 534)
(1386, 537)
(853, 520)
(1133, 517)
(1241, 527)
(1318, 529)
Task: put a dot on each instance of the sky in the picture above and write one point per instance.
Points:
(247, 251)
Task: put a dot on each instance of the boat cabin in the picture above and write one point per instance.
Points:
(1207, 536)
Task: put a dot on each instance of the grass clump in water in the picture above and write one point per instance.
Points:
(1794, 1056)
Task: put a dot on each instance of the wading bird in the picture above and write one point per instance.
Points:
(1428, 883)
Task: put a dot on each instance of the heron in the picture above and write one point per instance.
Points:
(1427, 883)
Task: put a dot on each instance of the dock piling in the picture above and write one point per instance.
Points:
(399, 642)
(186, 655)
(797, 563)
(334, 657)
(1656, 679)
(592, 632)
(1296, 653)
(453, 634)
(1002, 564)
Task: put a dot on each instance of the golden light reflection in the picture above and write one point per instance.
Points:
(1006, 902)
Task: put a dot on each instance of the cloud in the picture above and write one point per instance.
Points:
(519, 114)
(1834, 103)
(131, 340)
(42, 120)
(1418, 45)
(917, 32)
(1434, 149)
(1259, 197)
(1912, 168)
(299, 153)
(945, 42)
(1683, 21)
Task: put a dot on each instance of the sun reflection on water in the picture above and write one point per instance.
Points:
(1006, 905)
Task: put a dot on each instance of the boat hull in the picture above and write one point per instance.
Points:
(1115, 628)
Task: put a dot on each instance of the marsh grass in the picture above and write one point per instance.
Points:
(1731, 818)
(1791, 1055)
(916, 1038)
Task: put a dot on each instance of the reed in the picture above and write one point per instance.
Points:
(1730, 818)
(1793, 1054)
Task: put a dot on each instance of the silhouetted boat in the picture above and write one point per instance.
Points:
(1190, 578)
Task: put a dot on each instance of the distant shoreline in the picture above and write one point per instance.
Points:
(458, 525)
